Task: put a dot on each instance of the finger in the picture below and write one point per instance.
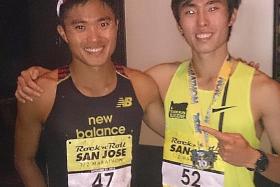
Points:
(254, 65)
(26, 80)
(219, 135)
(221, 152)
(220, 145)
(257, 66)
(22, 95)
(20, 82)
(33, 85)
(27, 75)
(30, 92)
(240, 59)
(35, 74)
(19, 98)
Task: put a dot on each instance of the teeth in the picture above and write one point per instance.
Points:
(93, 50)
(203, 35)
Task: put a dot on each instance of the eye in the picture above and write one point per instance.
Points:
(104, 24)
(213, 9)
(190, 12)
(80, 27)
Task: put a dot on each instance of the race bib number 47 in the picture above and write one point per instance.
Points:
(99, 162)
(98, 153)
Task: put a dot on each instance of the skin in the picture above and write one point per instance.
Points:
(204, 25)
(90, 30)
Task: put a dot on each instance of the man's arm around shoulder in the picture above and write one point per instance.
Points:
(148, 95)
(162, 74)
(29, 121)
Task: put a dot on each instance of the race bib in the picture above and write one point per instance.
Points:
(100, 161)
(178, 175)
(116, 178)
(186, 163)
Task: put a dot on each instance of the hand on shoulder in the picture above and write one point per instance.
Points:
(27, 87)
(40, 107)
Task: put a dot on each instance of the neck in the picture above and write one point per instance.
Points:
(207, 67)
(94, 81)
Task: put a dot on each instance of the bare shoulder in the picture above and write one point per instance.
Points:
(144, 86)
(41, 106)
(263, 84)
(163, 69)
(162, 74)
(265, 94)
(140, 79)
(48, 81)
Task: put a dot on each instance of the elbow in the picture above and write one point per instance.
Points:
(21, 163)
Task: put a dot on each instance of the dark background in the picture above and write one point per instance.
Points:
(28, 37)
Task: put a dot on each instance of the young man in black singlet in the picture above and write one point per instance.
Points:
(87, 122)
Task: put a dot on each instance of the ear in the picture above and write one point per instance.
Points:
(180, 29)
(233, 18)
(62, 33)
(117, 24)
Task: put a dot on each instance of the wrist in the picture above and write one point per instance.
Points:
(252, 160)
(260, 164)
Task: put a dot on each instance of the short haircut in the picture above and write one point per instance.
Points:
(69, 4)
(176, 4)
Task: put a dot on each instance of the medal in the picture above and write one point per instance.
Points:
(204, 158)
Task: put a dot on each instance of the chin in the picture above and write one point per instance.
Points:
(206, 49)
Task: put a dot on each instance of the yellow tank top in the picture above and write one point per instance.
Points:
(181, 140)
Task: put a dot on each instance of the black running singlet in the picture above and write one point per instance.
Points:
(92, 141)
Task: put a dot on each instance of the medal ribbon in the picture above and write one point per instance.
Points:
(223, 77)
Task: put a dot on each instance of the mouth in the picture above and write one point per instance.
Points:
(93, 50)
(203, 36)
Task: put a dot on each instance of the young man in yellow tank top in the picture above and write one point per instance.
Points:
(216, 108)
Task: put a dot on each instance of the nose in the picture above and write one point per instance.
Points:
(202, 19)
(93, 34)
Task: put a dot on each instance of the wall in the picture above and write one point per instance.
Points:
(152, 38)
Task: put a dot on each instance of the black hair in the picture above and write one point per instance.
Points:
(69, 4)
(176, 4)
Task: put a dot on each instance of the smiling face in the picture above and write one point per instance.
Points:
(205, 24)
(90, 30)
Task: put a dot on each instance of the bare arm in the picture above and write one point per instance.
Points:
(149, 98)
(267, 97)
(27, 87)
(162, 75)
(30, 117)
(27, 135)
(154, 111)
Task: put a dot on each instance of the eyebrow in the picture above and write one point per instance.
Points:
(77, 21)
(186, 3)
(213, 2)
(80, 21)
(189, 3)
(107, 18)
